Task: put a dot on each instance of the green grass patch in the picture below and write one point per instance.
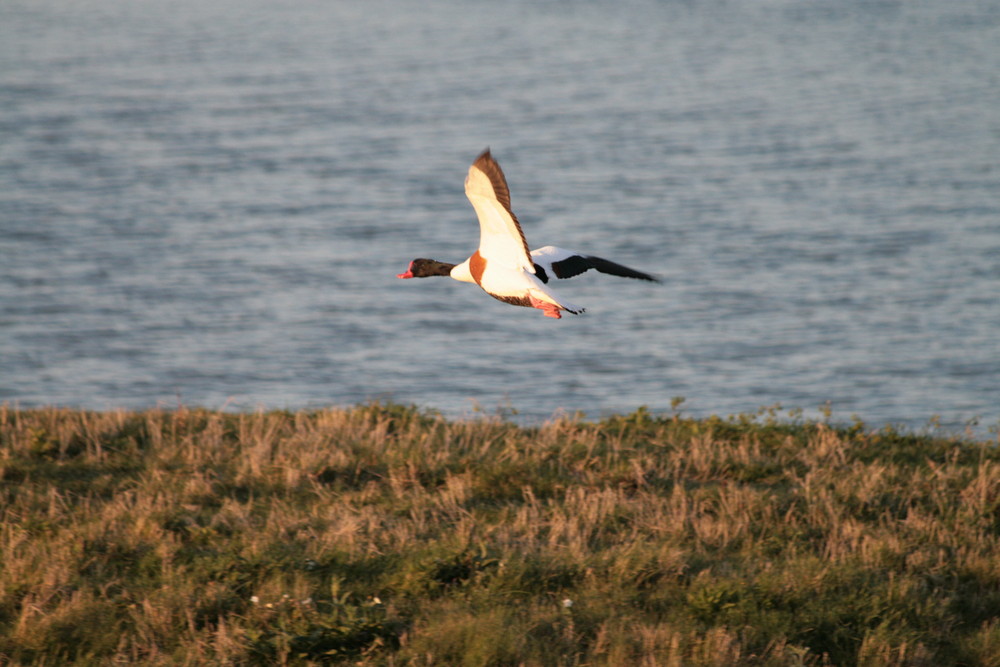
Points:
(385, 535)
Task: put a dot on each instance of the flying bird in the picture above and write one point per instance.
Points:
(503, 265)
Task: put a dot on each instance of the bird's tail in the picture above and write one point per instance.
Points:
(544, 294)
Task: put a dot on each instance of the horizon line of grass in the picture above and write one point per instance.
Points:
(971, 429)
(384, 534)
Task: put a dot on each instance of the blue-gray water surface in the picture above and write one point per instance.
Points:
(206, 203)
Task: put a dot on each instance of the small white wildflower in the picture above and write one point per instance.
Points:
(376, 600)
(254, 599)
(567, 603)
(269, 605)
(307, 601)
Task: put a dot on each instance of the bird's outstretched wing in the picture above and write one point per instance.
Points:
(566, 264)
(501, 239)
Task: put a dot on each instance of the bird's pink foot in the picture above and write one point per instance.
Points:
(547, 308)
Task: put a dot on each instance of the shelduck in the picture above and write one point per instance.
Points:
(503, 265)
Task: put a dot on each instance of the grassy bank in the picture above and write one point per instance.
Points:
(382, 535)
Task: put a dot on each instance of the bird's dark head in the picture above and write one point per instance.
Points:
(424, 268)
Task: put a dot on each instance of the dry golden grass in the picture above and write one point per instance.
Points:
(383, 535)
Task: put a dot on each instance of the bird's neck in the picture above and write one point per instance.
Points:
(438, 269)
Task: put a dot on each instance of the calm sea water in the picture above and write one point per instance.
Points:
(206, 203)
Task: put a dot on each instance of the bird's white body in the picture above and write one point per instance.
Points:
(511, 282)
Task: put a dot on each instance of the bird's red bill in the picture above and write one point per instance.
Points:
(408, 273)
